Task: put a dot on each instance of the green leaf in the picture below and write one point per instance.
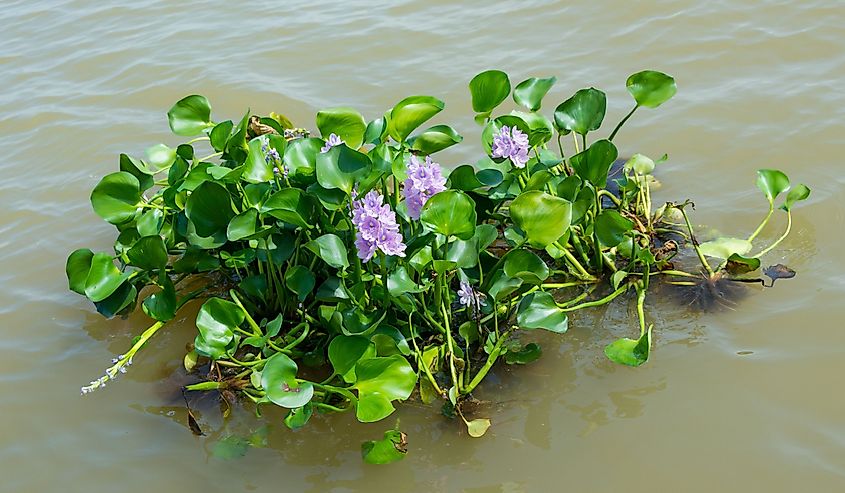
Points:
(651, 88)
(103, 277)
(242, 225)
(488, 90)
(190, 116)
(631, 352)
(530, 92)
(162, 304)
(331, 249)
(772, 183)
(148, 253)
(581, 113)
(301, 157)
(160, 156)
(345, 352)
(139, 170)
(346, 123)
(539, 311)
(219, 135)
(399, 282)
(209, 208)
(376, 130)
(121, 301)
(391, 448)
(737, 264)
(543, 217)
(298, 417)
(725, 247)
(611, 227)
(435, 139)
(216, 323)
(640, 163)
(797, 194)
(450, 212)
(77, 267)
(540, 128)
(410, 113)
(290, 205)
(116, 197)
(300, 280)
(342, 167)
(257, 168)
(150, 222)
(522, 356)
(593, 164)
(281, 385)
(381, 380)
(477, 427)
(526, 265)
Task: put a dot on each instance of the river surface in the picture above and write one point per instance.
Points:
(748, 399)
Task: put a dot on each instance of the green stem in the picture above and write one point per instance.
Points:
(491, 360)
(762, 224)
(615, 130)
(450, 346)
(784, 235)
(695, 243)
(599, 302)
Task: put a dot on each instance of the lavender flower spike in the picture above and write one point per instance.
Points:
(376, 227)
(470, 298)
(424, 180)
(332, 141)
(511, 143)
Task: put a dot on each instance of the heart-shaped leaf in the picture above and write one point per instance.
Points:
(611, 227)
(148, 253)
(216, 323)
(488, 89)
(161, 305)
(346, 123)
(543, 217)
(331, 249)
(797, 194)
(593, 164)
(116, 197)
(342, 167)
(737, 264)
(526, 265)
(77, 267)
(103, 277)
(281, 385)
(381, 380)
(345, 352)
(725, 247)
(630, 352)
(209, 209)
(300, 280)
(651, 88)
(410, 113)
(435, 139)
(772, 182)
(450, 212)
(539, 311)
(290, 205)
(391, 448)
(530, 92)
(581, 113)
(190, 116)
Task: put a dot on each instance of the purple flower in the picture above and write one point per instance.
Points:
(512, 144)
(376, 227)
(424, 180)
(469, 297)
(332, 141)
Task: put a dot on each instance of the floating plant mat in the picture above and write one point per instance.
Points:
(344, 272)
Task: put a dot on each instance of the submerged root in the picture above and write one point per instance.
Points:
(710, 294)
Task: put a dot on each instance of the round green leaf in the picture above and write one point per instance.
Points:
(342, 167)
(581, 113)
(280, 384)
(216, 323)
(725, 247)
(190, 116)
(346, 123)
(257, 168)
(160, 156)
(594, 164)
(630, 352)
(300, 280)
(391, 448)
(737, 264)
(162, 304)
(301, 157)
(148, 253)
(103, 277)
(797, 194)
(488, 90)
(121, 301)
(611, 227)
(530, 92)
(522, 356)
(150, 222)
(298, 417)
(543, 217)
(651, 88)
(242, 225)
(346, 351)
(399, 283)
(772, 182)
(435, 139)
(450, 212)
(640, 163)
(331, 249)
(381, 380)
(526, 265)
(291, 205)
(116, 197)
(77, 267)
(209, 208)
(410, 113)
(539, 311)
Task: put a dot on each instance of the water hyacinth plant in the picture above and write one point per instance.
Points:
(356, 255)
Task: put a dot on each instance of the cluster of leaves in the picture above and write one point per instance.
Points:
(292, 317)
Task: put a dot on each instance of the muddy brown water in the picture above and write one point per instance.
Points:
(744, 400)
